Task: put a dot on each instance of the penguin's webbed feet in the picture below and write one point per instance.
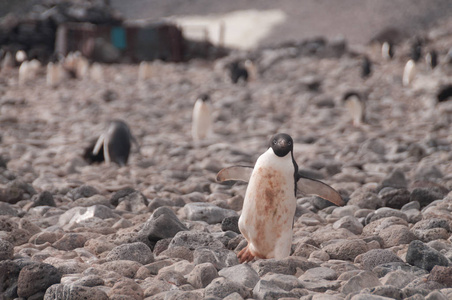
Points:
(245, 255)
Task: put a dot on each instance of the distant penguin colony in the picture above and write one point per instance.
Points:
(270, 199)
(409, 72)
(201, 118)
(387, 50)
(355, 106)
(114, 143)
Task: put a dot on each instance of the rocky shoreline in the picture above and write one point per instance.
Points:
(162, 228)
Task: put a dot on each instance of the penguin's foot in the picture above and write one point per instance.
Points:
(245, 255)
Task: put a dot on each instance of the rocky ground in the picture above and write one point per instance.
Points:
(162, 228)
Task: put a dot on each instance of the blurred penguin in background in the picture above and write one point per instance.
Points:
(431, 59)
(366, 67)
(202, 118)
(113, 145)
(416, 50)
(387, 50)
(409, 72)
(237, 72)
(355, 105)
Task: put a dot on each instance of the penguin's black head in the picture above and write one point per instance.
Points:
(281, 144)
(204, 97)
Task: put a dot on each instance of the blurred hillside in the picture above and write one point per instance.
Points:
(357, 20)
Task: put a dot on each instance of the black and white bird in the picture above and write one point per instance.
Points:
(114, 143)
(356, 107)
(431, 58)
(387, 50)
(201, 118)
(366, 67)
(270, 200)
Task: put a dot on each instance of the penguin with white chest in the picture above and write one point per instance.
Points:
(270, 200)
(115, 143)
(202, 118)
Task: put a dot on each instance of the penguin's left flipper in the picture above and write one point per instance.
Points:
(99, 144)
(237, 173)
(309, 186)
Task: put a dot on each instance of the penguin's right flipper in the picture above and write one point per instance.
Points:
(311, 186)
(99, 144)
(237, 173)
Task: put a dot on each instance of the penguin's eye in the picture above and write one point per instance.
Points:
(274, 142)
(289, 143)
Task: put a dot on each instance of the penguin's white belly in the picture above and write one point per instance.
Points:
(269, 207)
(202, 120)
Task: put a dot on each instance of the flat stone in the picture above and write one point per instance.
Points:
(242, 273)
(358, 282)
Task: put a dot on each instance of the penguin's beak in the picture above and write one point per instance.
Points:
(282, 143)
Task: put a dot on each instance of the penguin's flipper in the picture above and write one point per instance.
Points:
(309, 186)
(99, 144)
(237, 173)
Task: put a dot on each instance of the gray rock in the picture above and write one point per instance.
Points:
(90, 281)
(320, 273)
(7, 210)
(376, 257)
(178, 252)
(6, 250)
(172, 277)
(425, 257)
(222, 287)
(80, 214)
(377, 226)
(220, 258)
(394, 198)
(383, 269)
(125, 289)
(84, 191)
(9, 274)
(126, 268)
(134, 202)
(442, 275)
(364, 199)
(138, 252)
(350, 223)
(207, 212)
(73, 292)
(436, 295)
(162, 224)
(43, 199)
(346, 249)
(242, 274)
(202, 275)
(396, 235)
(425, 196)
(432, 223)
(369, 297)
(70, 241)
(358, 282)
(320, 285)
(428, 235)
(395, 180)
(398, 278)
(230, 223)
(195, 239)
(121, 195)
(277, 286)
(36, 278)
(389, 291)
(385, 212)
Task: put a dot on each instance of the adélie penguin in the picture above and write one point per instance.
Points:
(202, 118)
(270, 200)
(115, 143)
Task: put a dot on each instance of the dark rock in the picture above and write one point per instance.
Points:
(394, 198)
(425, 196)
(84, 191)
(425, 257)
(127, 194)
(36, 278)
(395, 180)
(230, 223)
(9, 274)
(6, 250)
(7, 210)
(43, 199)
(432, 223)
(162, 224)
(138, 252)
(376, 257)
(442, 275)
(161, 245)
